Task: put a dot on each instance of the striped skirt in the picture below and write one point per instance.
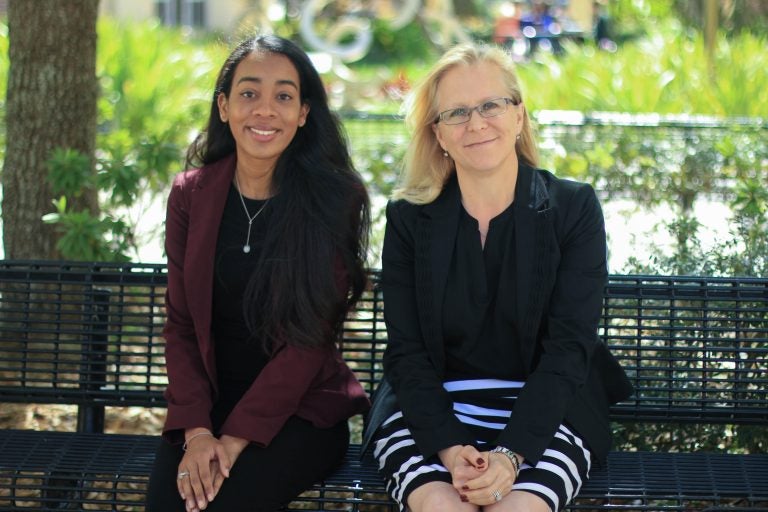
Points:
(484, 406)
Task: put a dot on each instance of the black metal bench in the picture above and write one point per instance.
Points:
(89, 335)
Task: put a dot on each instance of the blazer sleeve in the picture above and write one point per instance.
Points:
(567, 335)
(189, 392)
(426, 406)
(279, 392)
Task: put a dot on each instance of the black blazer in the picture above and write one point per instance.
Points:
(559, 281)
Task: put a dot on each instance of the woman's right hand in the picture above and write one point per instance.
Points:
(203, 459)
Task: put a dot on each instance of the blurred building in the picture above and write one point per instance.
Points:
(205, 14)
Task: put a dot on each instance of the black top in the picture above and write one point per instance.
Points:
(478, 312)
(239, 357)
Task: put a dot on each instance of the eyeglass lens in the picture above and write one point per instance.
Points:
(460, 115)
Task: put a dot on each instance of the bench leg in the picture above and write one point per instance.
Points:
(62, 492)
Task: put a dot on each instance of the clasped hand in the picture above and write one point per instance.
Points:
(206, 463)
(478, 475)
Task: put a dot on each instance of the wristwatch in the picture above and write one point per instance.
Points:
(511, 455)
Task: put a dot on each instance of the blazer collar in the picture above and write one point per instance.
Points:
(530, 192)
(218, 175)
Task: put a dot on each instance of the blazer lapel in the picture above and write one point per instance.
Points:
(532, 239)
(209, 196)
(436, 236)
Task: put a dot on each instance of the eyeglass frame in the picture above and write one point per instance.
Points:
(476, 108)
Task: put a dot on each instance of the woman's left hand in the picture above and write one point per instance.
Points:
(233, 446)
(495, 482)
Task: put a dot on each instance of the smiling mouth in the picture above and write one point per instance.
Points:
(263, 132)
(479, 143)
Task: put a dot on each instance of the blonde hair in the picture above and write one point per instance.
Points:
(425, 170)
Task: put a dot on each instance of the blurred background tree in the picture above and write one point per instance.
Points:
(50, 106)
(734, 16)
(639, 17)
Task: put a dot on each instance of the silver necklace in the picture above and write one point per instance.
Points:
(247, 246)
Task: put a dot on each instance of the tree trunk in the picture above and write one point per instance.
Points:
(50, 103)
(711, 16)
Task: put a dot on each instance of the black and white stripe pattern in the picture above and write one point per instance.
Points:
(483, 405)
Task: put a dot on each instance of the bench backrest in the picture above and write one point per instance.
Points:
(91, 333)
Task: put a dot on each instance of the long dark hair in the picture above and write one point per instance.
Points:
(312, 265)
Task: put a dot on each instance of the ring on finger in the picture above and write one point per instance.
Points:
(496, 495)
(182, 475)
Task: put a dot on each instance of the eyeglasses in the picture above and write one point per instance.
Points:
(490, 108)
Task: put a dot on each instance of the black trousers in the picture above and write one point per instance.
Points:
(262, 479)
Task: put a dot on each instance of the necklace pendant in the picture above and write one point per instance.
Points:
(247, 246)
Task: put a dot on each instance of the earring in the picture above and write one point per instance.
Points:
(445, 154)
(518, 136)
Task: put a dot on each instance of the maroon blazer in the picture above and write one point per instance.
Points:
(314, 384)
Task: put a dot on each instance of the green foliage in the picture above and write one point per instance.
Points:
(379, 166)
(85, 237)
(69, 172)
(156, 86)
(660, 167)
(633, 17)
(155, 95)
(739, 88)
(155, 80)
(666, 73)
(743, 253)
(377, 149)
(650, 165)
(409, 43)
(676, 166)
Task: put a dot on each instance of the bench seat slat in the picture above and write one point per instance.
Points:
(104, 460)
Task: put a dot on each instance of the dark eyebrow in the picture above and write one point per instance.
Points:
(258, 80)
